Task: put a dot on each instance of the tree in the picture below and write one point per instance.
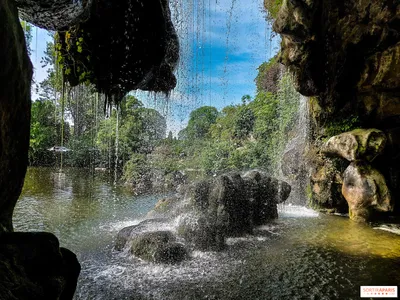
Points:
(45, 132)
(200, 121)
(139, 130)
(244, 119)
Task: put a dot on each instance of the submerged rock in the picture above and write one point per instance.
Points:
(365, 190)
(365, 144)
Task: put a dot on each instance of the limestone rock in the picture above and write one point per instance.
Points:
(359, 144)
(52, 14)
(365, 190)
(170, 253)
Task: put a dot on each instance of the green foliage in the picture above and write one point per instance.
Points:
(200, 121)
(340, 125)
(244, 120)
(45, 132)
(135, 168)
(139, 131)
(273, 7)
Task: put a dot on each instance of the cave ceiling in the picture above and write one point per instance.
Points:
(118, 46)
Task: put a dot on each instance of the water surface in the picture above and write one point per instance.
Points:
(302, 255)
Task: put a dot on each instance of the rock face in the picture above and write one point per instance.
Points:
(15, 105)
(229, 205)
(365, 190)
(32, 266)
(325, 190)
(141, 51)
(346, 57)
(359, 144)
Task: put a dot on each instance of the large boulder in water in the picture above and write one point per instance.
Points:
(229, 205)
(150, 241)
(265, 193)
(125, 235)
(366, 191)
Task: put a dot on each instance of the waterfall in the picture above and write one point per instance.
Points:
(293, 163)
(292, 139)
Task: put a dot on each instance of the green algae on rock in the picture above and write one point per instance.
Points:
(358, 144)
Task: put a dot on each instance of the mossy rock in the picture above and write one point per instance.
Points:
(358, 144)
(158, 247)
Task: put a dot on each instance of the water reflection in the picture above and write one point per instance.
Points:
(75, 205)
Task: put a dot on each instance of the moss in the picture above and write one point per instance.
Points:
(309, 192)
(340, 125)
(273, 7)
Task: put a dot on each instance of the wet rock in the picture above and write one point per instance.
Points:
(203, 231)
(158, 247)
(325, 188)
(34, 267)
(348, 62)
(366, 191)
(229, 205)
(171, 253)
(125, 234)
(359, 144)
(266, 193)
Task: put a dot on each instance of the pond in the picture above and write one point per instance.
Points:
(302, 255)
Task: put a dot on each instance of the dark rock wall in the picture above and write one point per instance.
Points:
(15, 107)
(32, 265)
(346, 55)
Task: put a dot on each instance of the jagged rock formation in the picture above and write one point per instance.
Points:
(359, 144)
(346, 56)
(15, 106)
(229, 205)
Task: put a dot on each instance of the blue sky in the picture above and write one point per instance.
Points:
(222, 43)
